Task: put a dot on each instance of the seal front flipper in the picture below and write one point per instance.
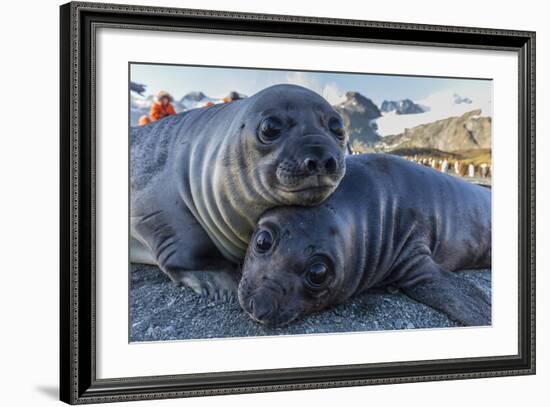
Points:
(457, 297)
(215, 284)
(174, 241)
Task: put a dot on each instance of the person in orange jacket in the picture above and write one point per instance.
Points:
(163, 107)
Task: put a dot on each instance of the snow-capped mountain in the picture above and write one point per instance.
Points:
(469, 131)
(192, 100)
(437, 106)
(139, 106)
(404, 106)
(357, 103)
(140, 102)
(459, 99)
(194, 96)
(443, 121)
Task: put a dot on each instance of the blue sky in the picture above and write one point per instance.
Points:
(218, 82)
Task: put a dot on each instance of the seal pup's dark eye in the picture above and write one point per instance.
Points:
(264, 241)
(270, 129)
(317, 276)
(336, 126)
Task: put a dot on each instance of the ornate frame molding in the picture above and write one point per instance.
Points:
(78, 380)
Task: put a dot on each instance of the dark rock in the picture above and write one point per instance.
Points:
(357, 103)
(359, 114)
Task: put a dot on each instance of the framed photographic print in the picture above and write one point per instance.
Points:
(257, 203)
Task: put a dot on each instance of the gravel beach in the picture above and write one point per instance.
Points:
(160, 310)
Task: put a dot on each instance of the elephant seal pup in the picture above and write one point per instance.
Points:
(201, 179)
(390, 222)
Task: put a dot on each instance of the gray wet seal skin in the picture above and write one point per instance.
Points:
(201, 179)
(391, 222)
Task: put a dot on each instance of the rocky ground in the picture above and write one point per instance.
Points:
(160, 310)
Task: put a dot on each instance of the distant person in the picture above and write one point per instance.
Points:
(143, 120)
(161, 108)
(232, 97)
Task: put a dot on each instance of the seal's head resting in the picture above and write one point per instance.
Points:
(294, 265)
(294, 145)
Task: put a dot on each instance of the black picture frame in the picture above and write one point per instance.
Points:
(78, 382)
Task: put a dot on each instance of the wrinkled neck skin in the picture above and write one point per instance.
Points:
(221, 187)
(373, 238)
(356, 277)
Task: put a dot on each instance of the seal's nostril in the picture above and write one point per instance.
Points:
(251, 305)
(330, 165)
(263, 310)
(310, 164)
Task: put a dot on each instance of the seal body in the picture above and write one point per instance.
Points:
(200, 179)
(390, 222)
